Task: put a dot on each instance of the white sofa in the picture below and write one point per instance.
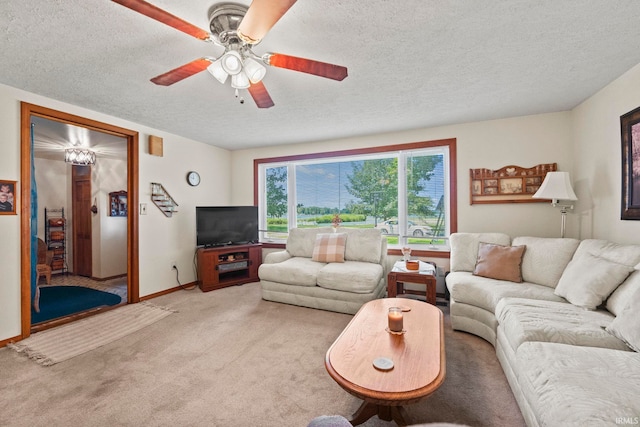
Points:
(292, 277)
(565, 336)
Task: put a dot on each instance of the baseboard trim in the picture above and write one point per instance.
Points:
(3, 343)
(169, 291)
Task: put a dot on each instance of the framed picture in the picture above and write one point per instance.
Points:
(630, 130)
(7, 197)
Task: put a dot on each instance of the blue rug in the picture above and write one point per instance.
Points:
(60, 301)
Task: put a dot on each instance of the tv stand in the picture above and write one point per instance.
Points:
(223, 266)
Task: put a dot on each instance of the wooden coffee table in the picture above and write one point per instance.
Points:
(418, 357)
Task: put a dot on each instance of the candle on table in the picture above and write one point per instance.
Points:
(395, 319)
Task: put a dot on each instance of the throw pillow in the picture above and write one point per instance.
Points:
(588, 281)
(329, 247)
(626, 325)
(499, 262)
(619, 299)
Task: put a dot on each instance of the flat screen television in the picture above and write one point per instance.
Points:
(226, 225)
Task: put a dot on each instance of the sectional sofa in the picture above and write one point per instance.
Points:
(564, 318)
(336, 270)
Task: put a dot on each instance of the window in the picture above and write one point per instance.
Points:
(404, 190)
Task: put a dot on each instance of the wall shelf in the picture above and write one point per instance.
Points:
(162, 199)
(56, 238)
(510, 184)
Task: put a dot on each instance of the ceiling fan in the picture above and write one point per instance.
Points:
(236, 28)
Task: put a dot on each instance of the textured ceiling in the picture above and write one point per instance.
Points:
(412, 63)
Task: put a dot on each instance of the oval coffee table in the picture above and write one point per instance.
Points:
(418, 358)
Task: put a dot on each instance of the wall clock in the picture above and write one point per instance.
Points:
(193, 178)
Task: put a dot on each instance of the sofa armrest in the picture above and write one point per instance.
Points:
(276, 257)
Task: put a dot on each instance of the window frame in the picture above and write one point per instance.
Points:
(449, 143)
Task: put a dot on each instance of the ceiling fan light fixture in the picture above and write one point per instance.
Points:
(217, 71)
(255, 71)
(231, 62)
(240, 81)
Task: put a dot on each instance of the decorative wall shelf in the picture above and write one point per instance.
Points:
(510, 184)
(162, 199)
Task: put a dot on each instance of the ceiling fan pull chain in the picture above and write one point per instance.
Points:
(241, 99)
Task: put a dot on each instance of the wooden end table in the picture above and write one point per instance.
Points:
(418, 357)
(396, 280)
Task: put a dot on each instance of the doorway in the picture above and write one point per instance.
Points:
(29, 111)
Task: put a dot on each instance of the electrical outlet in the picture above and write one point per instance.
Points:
(174, 265)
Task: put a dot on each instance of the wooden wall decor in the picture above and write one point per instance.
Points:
(510, 184)
(155, 145)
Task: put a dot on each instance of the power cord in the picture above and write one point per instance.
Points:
(186, 288)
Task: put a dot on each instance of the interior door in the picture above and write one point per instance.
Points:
(81, 208)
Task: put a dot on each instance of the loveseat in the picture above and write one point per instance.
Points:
(335, 271)
(564, 317)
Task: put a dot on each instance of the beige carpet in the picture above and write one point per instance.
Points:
(228, 358)
(64, 342)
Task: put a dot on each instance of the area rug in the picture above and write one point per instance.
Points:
(60, 301)
(64, 342)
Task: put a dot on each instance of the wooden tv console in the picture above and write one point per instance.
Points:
(223, 266)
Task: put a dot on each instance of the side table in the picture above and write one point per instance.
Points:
(399, 275)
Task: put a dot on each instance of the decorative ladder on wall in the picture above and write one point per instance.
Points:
(162, 199)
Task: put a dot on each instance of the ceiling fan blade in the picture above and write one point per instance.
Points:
(322, 69)
(182, 72)
(165, 17)
(260, 95)
(261, 16)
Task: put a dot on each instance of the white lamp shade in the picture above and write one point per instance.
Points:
(556, 186)
(240, 81)
(255, 71)
(217, 71)
(231, 62)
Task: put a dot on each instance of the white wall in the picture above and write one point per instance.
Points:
(598, 160)
(162, 240)
(109, 233)
(51, 180)
(522, 141)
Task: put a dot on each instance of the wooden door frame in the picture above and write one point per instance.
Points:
(26, 111)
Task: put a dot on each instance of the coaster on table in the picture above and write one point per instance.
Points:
(383, 363)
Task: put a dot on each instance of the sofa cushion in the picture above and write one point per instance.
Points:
(302, 240)
(499, 262)
(567, 385)
(626, 325)
(588, 280)
(351, 276)
(329, 247)
(486, 293)
(619, 299)
(464, 248)
(363, 244)
(622, 254)
(298, 271)
(545, 258)
(525, 320)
